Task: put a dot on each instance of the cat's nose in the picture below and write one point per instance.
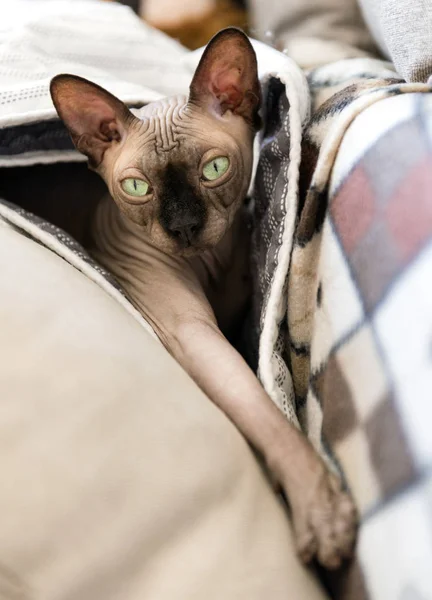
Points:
(185, 231)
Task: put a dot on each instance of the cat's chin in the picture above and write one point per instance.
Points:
(188, 252)
(191, 251)
(194, 250)
(173, 248)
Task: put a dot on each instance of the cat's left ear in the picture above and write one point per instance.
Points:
(227, 76)
(96, 119)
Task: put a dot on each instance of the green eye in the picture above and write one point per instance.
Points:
(135, 187)
(215, 168)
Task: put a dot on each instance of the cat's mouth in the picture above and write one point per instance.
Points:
(193, 250)
(195, 244)
(190, 243)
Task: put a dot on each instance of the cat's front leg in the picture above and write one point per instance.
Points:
(324, 516)
(168, 293)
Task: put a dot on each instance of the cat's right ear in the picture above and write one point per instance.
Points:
(227, 76)
(95, 118)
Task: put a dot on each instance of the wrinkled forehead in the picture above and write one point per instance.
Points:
(171, 123)
(171, 132)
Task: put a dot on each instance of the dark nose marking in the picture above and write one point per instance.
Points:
(184, 228)
(182, 212)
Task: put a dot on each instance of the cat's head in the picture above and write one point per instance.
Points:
(180, 167)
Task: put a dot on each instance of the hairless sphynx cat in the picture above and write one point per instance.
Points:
(173, 234)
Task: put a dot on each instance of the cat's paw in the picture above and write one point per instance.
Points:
(325, 523)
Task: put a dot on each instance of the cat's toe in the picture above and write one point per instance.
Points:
(326, 527)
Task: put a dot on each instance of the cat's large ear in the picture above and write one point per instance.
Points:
(227, 76)
(95, 118)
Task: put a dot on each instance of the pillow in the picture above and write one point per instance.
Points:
(403, 30)
(120, 479)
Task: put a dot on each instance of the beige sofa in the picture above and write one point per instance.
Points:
(119, 478)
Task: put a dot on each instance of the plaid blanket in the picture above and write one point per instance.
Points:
(350, 342)
(372, 375)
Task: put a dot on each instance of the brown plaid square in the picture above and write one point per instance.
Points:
(382, 213)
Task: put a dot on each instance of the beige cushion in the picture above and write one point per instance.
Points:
(403, 29)
(120, 480)
(312, 32)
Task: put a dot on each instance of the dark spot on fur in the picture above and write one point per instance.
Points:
(312, 216)
(309, 159)
(336, 103)
(299, 349)
(319, 295)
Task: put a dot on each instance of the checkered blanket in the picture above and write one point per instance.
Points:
(351, 340)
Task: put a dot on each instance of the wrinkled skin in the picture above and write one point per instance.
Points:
(168, 144)
(181, 254)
